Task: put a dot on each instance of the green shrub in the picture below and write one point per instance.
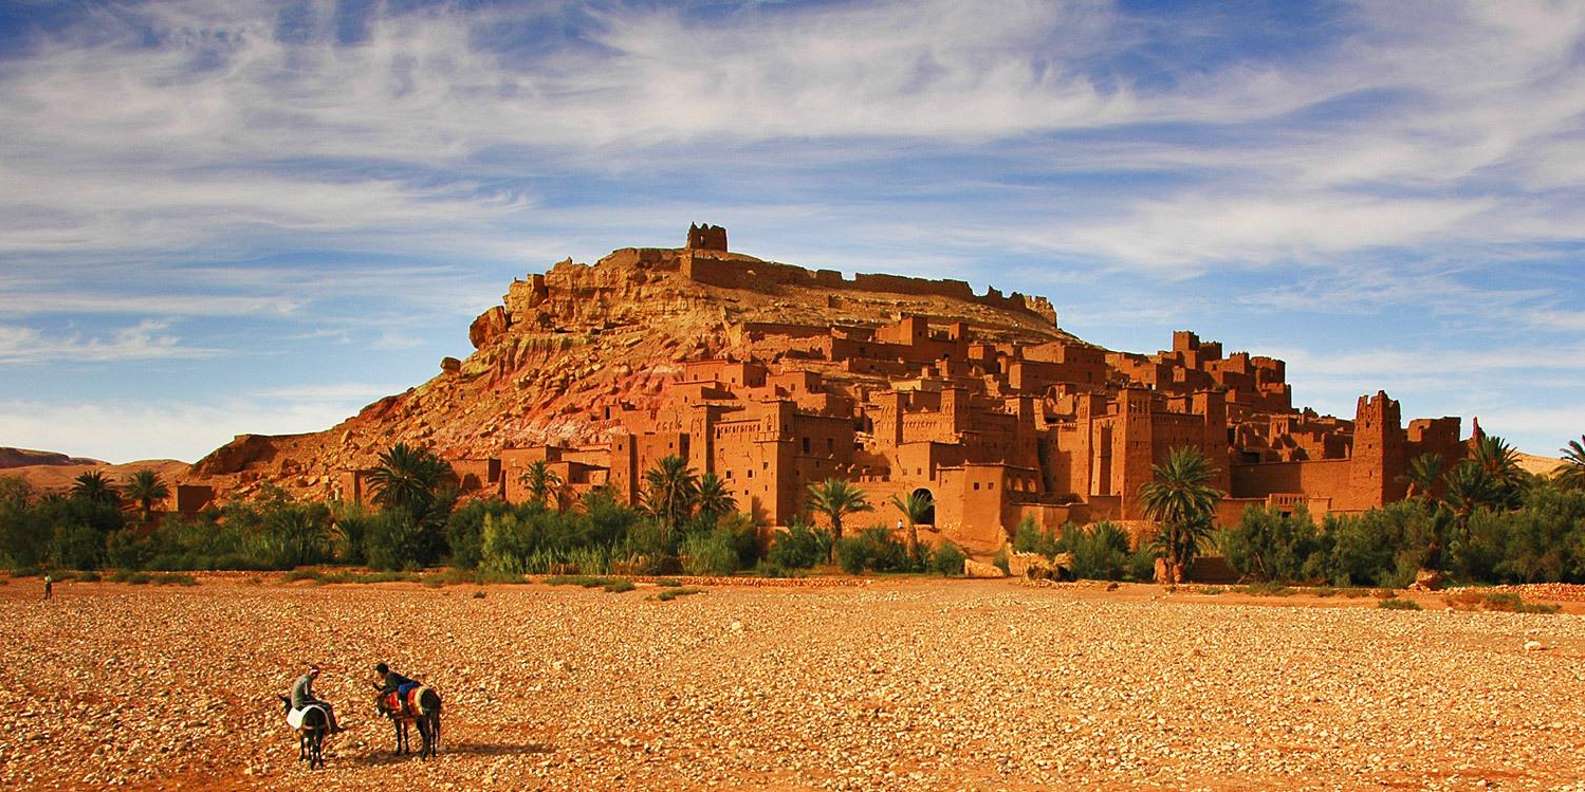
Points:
(619, 586)
(799, 547)
(874, 549)
(1399, 604)
(175, 579)
(948, 560)
(78, 546)
(672, 593)
(350, 529)
(668, 582)
(1381, 547)
(1266, 544)
(1028, 538)
(1100, 552)
(395, 541)
(1267, 589)
(709, 553)
(465, 531)
(585, 581)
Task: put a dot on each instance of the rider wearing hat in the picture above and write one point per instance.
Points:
(303, 696)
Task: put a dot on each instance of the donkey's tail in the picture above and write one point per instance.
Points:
(429, 702)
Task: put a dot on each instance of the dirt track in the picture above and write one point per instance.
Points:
(902, 684)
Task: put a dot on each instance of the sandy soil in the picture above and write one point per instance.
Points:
(902, 684)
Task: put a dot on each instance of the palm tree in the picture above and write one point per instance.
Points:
(144, 489)
(1501, 463)
(1423, 473)
(1466, 487)
(915, 508)
(1571, 474)
(1181, 498)
(837, 498)
(714, 498)
(410, 478)
(1469, 486)
(95, 488)
(671, 490)
(542, 482)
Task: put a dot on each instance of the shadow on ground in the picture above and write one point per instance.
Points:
(385, 757)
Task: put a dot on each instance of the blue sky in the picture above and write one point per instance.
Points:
(220, 217)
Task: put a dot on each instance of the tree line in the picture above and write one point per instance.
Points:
(1483, 519)
(683, 522)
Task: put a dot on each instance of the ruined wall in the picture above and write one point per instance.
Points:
(743, 272)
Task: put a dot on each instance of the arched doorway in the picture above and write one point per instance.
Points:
(929, 517)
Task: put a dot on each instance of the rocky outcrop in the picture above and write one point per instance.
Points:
(490, 325)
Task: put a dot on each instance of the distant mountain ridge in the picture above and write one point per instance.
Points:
(26, 457)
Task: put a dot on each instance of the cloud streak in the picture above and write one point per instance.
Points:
(1411, 166)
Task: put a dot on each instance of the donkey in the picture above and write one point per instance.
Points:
(421, 708)
(311, 731)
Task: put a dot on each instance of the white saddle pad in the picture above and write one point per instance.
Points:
(294, 718)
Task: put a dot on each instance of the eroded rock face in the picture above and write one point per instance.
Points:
(489, 326)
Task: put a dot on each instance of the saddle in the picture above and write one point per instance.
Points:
(294, 718)
(405, 706)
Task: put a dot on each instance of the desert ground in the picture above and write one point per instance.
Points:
(895, 684)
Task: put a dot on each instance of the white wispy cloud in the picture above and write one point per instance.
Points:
(147, 340)
(120, 431)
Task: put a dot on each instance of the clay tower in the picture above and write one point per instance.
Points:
(706, 237)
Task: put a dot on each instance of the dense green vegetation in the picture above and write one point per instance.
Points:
(1099, 552)
(685, 523)
(1482, 521)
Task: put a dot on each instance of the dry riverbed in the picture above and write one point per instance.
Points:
(900, 684)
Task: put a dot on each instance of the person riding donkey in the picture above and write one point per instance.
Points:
(392, 682)
(303, 696)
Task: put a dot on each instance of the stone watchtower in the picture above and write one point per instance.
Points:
(706, 237)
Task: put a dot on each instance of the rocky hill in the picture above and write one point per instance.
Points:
(566, 348)
(25, 457)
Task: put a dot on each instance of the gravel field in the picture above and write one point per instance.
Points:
(901, 684)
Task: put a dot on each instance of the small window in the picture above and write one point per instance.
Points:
(976, 485)
(806, 445)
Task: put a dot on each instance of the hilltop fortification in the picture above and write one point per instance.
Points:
(773, 376)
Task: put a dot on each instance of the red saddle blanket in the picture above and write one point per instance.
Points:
(405, 708)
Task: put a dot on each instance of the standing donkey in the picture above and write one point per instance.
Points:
(420, 707)
(312, 724)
